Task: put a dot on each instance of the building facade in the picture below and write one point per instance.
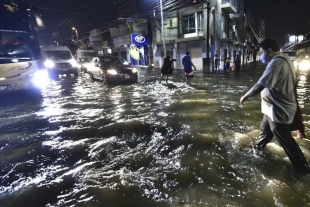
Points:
(186, 29)
(219, 27)
(130, 36)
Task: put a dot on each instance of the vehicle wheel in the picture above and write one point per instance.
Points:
(76, 74)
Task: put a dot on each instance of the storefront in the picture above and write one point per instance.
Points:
(139, 50)
(136, 47)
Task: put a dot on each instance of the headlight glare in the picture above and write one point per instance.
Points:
(74, 63)
(39, 78)
(304, 65)
(49, 64)
(112, 72)
(134, 70)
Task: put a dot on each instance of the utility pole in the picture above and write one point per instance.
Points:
(208, 30)
(208, 60)
(162, 27)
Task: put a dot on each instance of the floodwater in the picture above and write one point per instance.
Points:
(82, 143)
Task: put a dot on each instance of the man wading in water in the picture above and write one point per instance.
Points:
(187, 63)
(279, 104)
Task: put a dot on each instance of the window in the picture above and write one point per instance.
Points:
(56, 55)
(189, 24)
(193, 23)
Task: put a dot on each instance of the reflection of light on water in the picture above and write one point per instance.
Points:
(51, 110)
(67, 144)
(196, 151)
(136, 95)
(303, 77)
(97, 147)
(78, 169)
(91, 112)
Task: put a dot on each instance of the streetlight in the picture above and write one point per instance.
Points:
(77, 36)
(162, 27)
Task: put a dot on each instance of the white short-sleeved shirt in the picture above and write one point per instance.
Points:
(278, 96)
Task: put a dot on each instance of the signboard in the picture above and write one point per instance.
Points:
(95, 41)
(139, 39)
(121, 41)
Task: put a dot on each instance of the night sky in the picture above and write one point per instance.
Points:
(282, 17)
(60, 16)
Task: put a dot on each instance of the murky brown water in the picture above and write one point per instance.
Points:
(146, 144)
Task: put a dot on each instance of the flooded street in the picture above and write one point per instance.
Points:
(82, 143)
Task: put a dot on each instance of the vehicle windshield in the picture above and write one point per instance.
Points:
(17, 38)
(113, 61)
(15, 44)
(56, 55)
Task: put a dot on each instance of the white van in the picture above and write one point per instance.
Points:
(59, 60)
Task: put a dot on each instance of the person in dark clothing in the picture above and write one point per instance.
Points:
(216, 63)
(166, 69)
(237, 63)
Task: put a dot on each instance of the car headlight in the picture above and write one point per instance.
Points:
(134, 70)
(39, 78)
(74, 63)
(49, 64)
(304, 65)
(112, 72)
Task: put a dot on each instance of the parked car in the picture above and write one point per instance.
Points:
(59, 60)
(112, 69)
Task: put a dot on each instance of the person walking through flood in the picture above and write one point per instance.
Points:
(278, 102)
(227, 64)
(216, 63)
(187, 63)
(237, 63)
(166, 69)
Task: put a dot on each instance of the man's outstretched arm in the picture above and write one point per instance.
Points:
(256, 89)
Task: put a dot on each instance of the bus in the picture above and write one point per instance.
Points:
(21, 63)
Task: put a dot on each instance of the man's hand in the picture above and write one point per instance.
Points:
(243, 99)
(195, 68)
